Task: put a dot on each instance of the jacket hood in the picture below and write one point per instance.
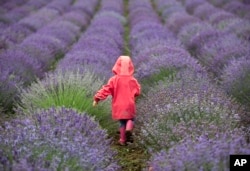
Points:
(123, 66)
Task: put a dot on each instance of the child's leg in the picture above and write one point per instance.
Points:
(129, 129)
(122, 140)
(130, 125)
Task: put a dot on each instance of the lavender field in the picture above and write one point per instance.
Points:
(191, 57)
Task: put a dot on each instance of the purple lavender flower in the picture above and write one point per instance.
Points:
(77, 17)
(218, 17)
(59, 5)
(203, 153)
(8, 88)
(44, 48)
(17, 70)
(15, 34)
(102, 40)
(239, 27)
(110, 5)
(87, 7)
(218, 3)
(217, 53)
(177, 20)
(9, 5)
(191, 5)
(65, 31)
(19, 63)
(237, 8)
(204, 10)
(37, 4)
(192, 30)
(153, 46)
(236, 78)
(39, 19)
(188, 105)
(73, 141)
(17, 13)
(168, 8)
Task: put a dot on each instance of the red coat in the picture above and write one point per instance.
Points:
(123, 88)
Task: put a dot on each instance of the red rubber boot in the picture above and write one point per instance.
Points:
(122, 140)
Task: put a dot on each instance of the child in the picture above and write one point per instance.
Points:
(123, 88)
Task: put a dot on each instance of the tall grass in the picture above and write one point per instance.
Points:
(70, 89)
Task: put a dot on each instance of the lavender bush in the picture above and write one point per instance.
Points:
(60, 138)
(236, 79)
(155, 50)
(238, 8)
(14, 35)
(202, 153)
(78, 17)
(191, 5)
(37, 53)
(179, 19)
(101, 44)
(189, 105)
(204, 10)
(17, 69)
(41, 18)
(8, 89)
(45, 49)
(239, 27)
(221, 16)
(16, 14)
(218, 3)
(62, 30)
(215, 54)
(9, 5)
(191, 31)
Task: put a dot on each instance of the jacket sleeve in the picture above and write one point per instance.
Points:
(105, 91)
(138, 88)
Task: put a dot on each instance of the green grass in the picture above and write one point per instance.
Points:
(126, 50)
(70, 90)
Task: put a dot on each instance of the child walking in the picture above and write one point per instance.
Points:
(123, 88)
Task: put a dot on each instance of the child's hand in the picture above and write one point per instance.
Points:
(94, 103)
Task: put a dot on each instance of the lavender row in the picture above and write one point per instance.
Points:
(186, 105)
(7, 5)
(234, 6)
(77, 76)
(203, 153)
(101, 44)
(221, 19)
(155, 50)
(37, 53)
(18, 13)
(73, 89)
(212, 47)
(83, 69)
(17, 32)
(55, 139)
(215, 49)
(154, 47)
(86, 66)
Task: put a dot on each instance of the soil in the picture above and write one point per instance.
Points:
(132, 157)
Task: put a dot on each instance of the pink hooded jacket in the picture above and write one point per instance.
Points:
(123, 88)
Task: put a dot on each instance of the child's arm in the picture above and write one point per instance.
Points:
(138, 89)
(104, 92)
